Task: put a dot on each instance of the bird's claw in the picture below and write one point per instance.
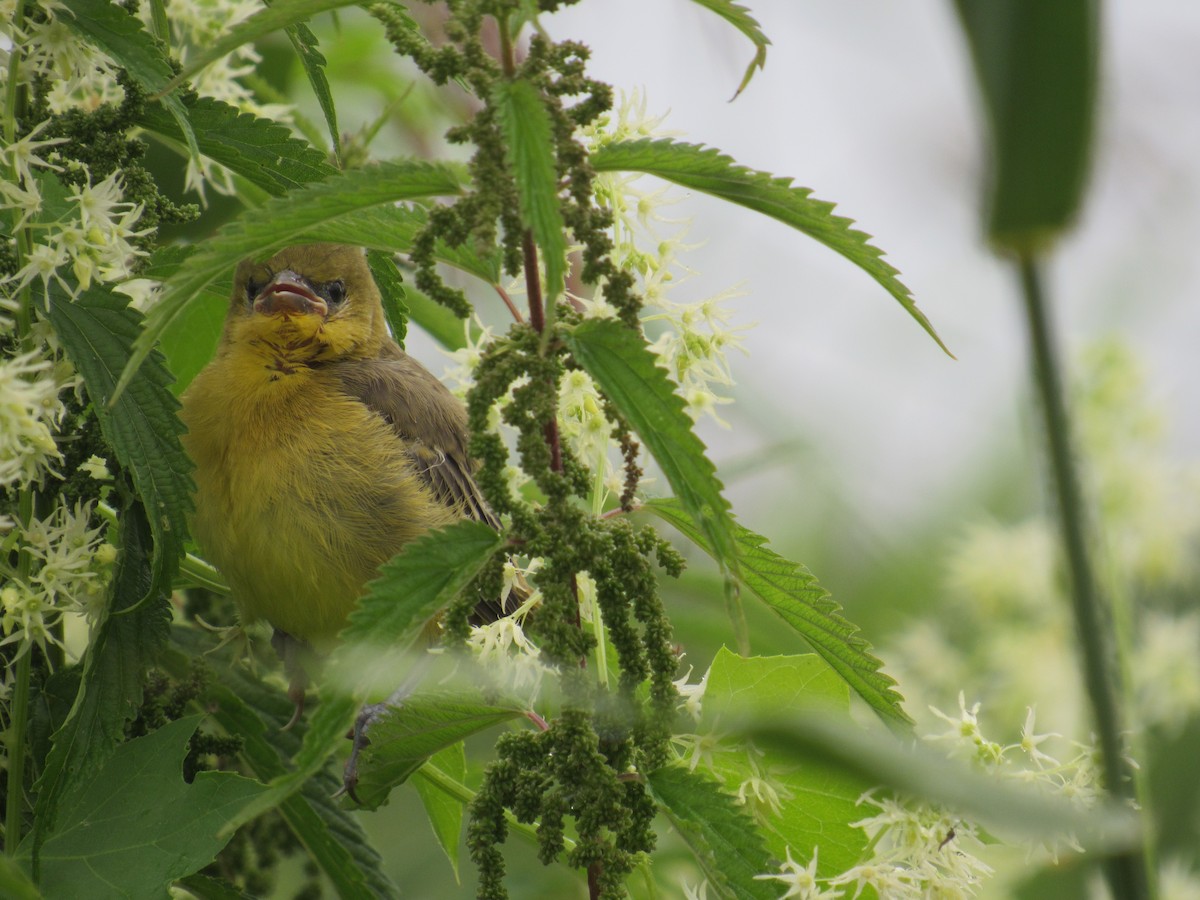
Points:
(358, 735)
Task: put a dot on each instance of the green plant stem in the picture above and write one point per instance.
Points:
(1126, 872)
(19, 708)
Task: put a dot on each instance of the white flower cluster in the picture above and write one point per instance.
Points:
(81, 76)
(502, 647)
(696, 337)
(30, 410)
(73, 564)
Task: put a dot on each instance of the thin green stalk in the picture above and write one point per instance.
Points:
(1127, 872)
(19, 707)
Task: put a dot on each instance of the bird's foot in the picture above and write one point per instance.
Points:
(366, 716)
(293, 653)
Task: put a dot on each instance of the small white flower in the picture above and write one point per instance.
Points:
(801, 880)
(29, 409)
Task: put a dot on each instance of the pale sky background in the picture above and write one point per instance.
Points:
(869, 103)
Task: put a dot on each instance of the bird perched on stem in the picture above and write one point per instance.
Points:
(321, 448)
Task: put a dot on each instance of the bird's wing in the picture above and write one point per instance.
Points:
(427, 418)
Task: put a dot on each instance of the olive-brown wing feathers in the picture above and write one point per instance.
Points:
(427, 418)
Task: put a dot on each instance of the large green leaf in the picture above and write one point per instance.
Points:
(98, 331)
(793, 594)
(815, 804)
(262, 23)
(445, 812)
(1037, 68)
(263, 152)
(137, 826)
(708, 170)
(282, 221)
(724, 838)
(413, 588)
(256, 712)
(405, 736)
(114, 668)
(109, 27)
(529, 148)
(623, 365)
(739, 17)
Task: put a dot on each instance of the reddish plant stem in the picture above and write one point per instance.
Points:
(508, 301)
(537, 720)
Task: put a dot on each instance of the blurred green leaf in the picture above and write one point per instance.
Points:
(739, 17)
(529, 146)
(1037, 67)
(793, 594)
(445, 812)
(403, 737)
(816, 803)
(707, 169)
(15, 882)
(724, 839)
(618, 357)
(137, 826)
(191, 339)
(1008, 805)
(413, 587)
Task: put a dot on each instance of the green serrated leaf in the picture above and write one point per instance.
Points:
(792, 592)
(99, 331)
(282, 221)
(739, 17)
(258, 25)
(725, 840)
(445, 812)
(1037, 65)
(110, 28)
(404, 737)
(625, 368)
(110, 689)
(712, 172)
(392, 291)
(815, 804)
(263, 152)
(306, 44)
(256, 712)
(206, 888)
(414, 587)
(137, 826)
(529, 148)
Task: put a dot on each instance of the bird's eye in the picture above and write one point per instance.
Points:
(333, 291)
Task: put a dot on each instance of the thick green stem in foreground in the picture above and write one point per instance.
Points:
(1126, 873)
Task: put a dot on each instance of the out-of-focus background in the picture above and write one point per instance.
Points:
(909, 482)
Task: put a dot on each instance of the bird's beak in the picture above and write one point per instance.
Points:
(289, 294)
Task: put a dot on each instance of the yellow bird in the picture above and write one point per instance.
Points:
(321, 448)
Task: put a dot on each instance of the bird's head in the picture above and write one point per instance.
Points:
(308, 303)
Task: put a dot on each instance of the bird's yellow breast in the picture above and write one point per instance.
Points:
(301, 490)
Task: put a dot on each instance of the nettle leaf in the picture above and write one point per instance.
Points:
(404, 737)
(445, 812)
(282, 221)
(712, 172)
(99, 331)
(725, 840)
(793, 594)
(305, 44)
(263, 152)
(391, 291)
(110, 28)
(529, 147)
(624, 366)
(256, 711)
(137, 826)
(739, 17)
(125, 643)
(815, 803)
(412, 589)
(259, 25)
